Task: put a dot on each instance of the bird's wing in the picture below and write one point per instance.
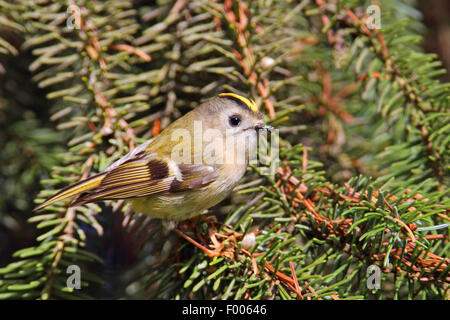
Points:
(139, 178)
(194, 176)
(137, 174)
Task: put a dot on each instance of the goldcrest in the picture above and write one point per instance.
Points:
(189, 167)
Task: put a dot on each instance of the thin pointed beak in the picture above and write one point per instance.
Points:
(262, 126)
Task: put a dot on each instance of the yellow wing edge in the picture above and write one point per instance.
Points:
(73, 190)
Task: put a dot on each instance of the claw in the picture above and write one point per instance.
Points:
(208, 252)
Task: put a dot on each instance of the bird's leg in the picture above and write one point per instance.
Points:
(193, 223)
(208, 252)
(168, 224)
(218, 246)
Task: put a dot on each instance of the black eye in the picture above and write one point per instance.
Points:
(234, 121)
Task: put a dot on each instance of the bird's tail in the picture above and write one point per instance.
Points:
(73, 190)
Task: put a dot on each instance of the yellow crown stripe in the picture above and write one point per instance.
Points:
(249, 103)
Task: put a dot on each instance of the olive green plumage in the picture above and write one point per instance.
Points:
(189, 167)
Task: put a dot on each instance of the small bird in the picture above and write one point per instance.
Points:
(171, 179)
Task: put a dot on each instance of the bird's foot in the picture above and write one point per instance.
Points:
(210, 253)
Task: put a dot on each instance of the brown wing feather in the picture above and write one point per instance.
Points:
(134, 178)
(194, 176)
(139, 178)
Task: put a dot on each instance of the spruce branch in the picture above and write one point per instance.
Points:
(414, 88)
(363, 100)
